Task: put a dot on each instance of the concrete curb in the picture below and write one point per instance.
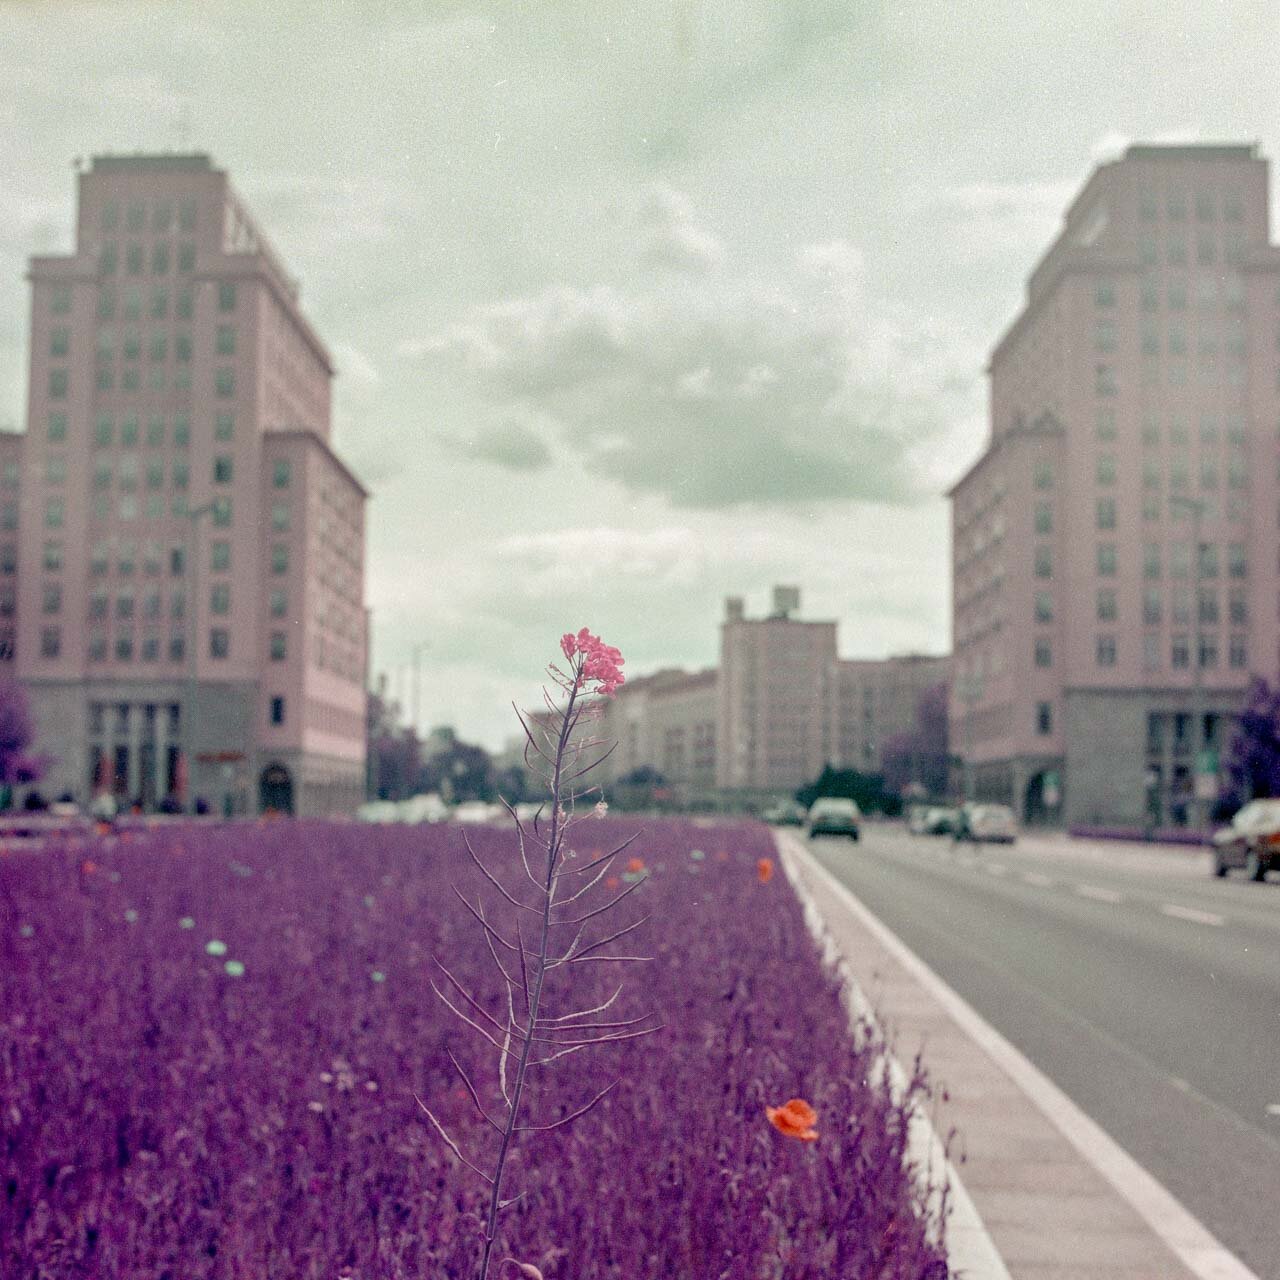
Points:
(970, 1248)
(1109, 1179)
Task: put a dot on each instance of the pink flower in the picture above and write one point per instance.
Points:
(601, 809)
(601, 662)
(568, 646)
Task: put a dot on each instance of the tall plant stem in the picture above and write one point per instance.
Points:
(539, 973)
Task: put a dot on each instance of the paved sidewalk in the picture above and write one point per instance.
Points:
(1050, 1211)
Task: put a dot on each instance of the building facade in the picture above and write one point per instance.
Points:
(190, 616)
(876, 700)
(1114, 548)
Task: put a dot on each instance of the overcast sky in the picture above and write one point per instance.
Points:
(634, 305)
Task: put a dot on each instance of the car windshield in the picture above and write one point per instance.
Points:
(1258, 813)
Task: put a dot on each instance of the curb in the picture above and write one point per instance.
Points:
(1168, 1222)
(970, 1249)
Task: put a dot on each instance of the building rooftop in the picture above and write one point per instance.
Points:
(167, 162)
(1192, 151)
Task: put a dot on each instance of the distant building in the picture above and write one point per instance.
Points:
(1114, 548)
(190, 550)
(876, 699)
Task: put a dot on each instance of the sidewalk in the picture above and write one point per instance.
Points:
(1057, 1197)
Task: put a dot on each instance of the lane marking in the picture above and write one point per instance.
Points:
(1098, 895)
(1201, 1252)
(1037, 879)
(1273, 1108)
(996, 869)
(1190, 913)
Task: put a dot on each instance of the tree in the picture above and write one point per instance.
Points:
(866, 790)
(17, 763)
(919, 755)
(1253, 751)
(459, 772)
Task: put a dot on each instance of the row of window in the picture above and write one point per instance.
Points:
(1232, 249)
(149, 649)
(1175, 205)
(1210, 340)
(126, 557)
(162, 215)
(1211, 290)
(1106, 651)
(1212, 428)
(104, 434)
(224, 380)
(135, 258)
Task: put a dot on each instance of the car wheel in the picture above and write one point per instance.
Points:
(1254, 867)
(854, 836)
(1219, 867)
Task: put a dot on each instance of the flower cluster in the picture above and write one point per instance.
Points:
(600, 662)
(795, 1118)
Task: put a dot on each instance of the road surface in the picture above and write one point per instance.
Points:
(1144, 988)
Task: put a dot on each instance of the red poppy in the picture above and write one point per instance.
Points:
(764, 869)
(795, 1119)
(635, 866)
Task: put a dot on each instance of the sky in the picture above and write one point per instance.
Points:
(635, 306)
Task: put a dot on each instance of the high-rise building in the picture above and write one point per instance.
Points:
(876, 699)
(190, 549)
(1114, 548)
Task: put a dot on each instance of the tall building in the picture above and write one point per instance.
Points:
(776, 680)
(877, 699)
(1114, 548)
(190, 550)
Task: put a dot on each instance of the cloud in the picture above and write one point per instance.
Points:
(670, 235)
(511, 445)
(716, 390)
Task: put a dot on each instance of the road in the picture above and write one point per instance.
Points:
(1145, 989)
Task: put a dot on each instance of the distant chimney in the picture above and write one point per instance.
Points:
(786, 601)
(734, 609)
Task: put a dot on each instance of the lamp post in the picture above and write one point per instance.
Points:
(193, 629)
(1199, 745)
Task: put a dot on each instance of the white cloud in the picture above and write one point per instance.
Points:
(670, 236)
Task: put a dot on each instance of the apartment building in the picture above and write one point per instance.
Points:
(189, 568)
(876, 699)
(1115, 546)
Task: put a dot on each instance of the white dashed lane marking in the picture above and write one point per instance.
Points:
(1190, 913)
(1098, 895)
(997, 869)
(1035, 878)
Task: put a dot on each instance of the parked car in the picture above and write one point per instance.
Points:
(940, 820)
(786, 813)
(1251, 842)
(993, 823)
(832, 816)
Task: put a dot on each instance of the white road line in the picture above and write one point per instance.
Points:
(1098, 895)
(996, 869)
(1190, 913)
(1273, 1108)
(1203, 1254)
(1035, 878)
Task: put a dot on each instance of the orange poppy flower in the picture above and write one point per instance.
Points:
(722, 855)
(88, 866)
(635, 866)
(612, 882)
(794, 1119)
(764, 869)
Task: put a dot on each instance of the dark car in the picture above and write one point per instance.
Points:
(1251, 843)
(832, 816)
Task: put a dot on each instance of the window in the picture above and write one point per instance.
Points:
(1208, 652)
(1105, 425)
(151, 606)
(224, 382)
(1207, 560)
(1151, 606)
(1044, 562)
(160, 258)
(1044, 652)
(224, 426)
(159, 302)
(226, 340)
(278, 646)
(1107, 559)
(55, 469)
(133, 259)
(279, 604)
(182, 346)
(220, 598)
(222, 470)
(1043, 474)
(219, 643)
(1207, 606)
(1180, 605)
(1150, 474)
(1105, 651)
(281, 473)
(1104, 334)
(1177, 252)
(226, 295)
(159, 346)
(186, 258)
(151, 558)
(280, 517)
(1106, 513)
(127, 557)
(187, 215)
(129, 380)
(220, 556)
(1044, 718)
(277, 710)
(1237, 560)
(183, 303)
(155, 474)
(98, 602)
(1238, 607)
(52, 560)
(124, 605)
(177, 647)
(1147, 254)
(51, 598)
(107, 260)
(178, 606)
(50, 642)
(177, 561)
(181, 430)
(1106, 470)
(1104, 293)
(181, 475)
(59, 341)
(57, 428)
(54, 512)
(1044, 518)
(1105, 380)
(150, 647)
(1180, 653)
(1044, 607)
(1208, 471)
(221, 513)
(279, 557)
(1151, 560)
(1106, 605)
(1238, 653)
(1205, 249)
(57, 384)
(60, 301)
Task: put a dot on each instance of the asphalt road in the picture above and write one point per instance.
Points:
(1145, 989)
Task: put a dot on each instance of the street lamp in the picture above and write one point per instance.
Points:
(188, 713)
(1199, 745)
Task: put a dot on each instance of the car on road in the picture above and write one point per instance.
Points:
(939, 820)
(1251, 842)
(833, 816)
(990, 823)
(786, 813)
